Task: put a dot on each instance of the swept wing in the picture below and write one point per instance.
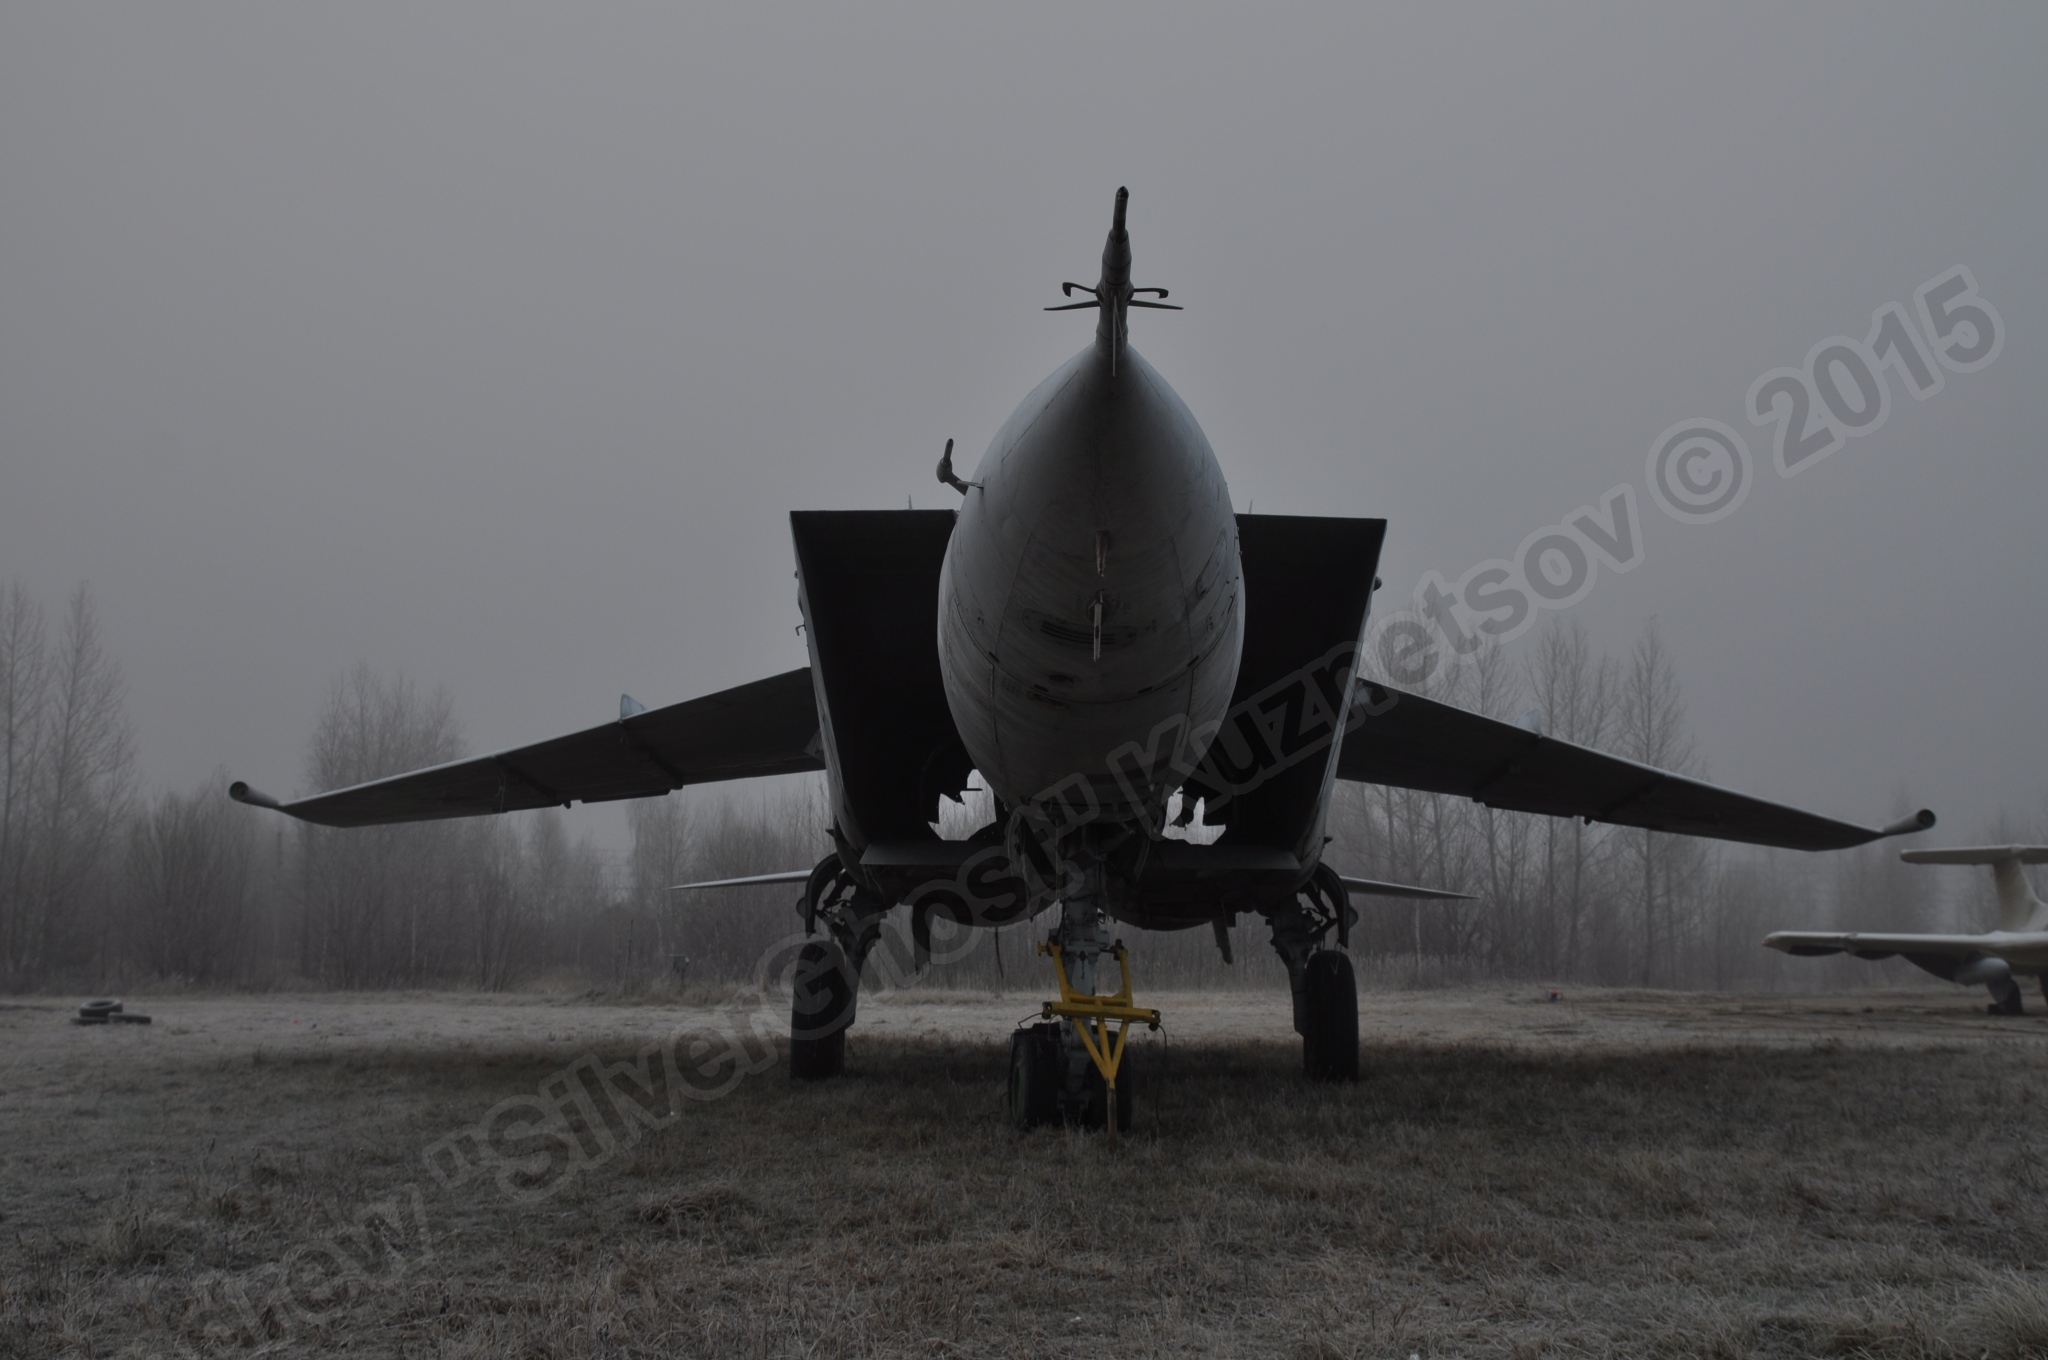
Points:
(1867, 944)
(765, 727)
(1410, 742)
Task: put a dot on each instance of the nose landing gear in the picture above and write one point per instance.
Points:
(1091, 1016)
(1055, 1081)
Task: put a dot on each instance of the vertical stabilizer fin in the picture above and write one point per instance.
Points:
(2018, 907)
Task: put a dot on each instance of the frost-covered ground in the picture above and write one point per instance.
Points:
(1619, 1173)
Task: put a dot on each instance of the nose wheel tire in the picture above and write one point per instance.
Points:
(1329, 1041)
(1042, 1091)
(820, 1009)
(1035, 1077)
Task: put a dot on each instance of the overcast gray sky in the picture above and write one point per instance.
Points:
(494, 343)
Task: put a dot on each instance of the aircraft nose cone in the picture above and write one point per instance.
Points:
(1091, 592)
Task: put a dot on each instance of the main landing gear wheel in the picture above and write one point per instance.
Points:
(820, 1009)
(2009, 1001)
(1329, 1040)
(1042, 1092)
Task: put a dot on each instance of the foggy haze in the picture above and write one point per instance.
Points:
(494, 344)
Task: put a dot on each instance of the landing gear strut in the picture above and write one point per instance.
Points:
(1325, 987)
(1053, 1082)
(827, 986)
(1072, 1073)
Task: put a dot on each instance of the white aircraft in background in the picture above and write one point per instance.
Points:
(2018, 948)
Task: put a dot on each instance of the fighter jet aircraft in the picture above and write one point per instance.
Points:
(1095, 631)
(1997, 959)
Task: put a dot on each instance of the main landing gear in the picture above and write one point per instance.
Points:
(827, 983)
(1325, 987)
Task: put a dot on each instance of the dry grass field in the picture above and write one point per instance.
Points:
(1614, 1174)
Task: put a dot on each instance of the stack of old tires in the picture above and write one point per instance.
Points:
(107, 1012)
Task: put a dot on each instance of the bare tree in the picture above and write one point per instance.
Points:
(491, 902)
(377, 898)
(69, 752)
(569, 892)
(189, 866)
(24, 692)
(1653, 732)
(661, 850)
(782, 827)
(1575, 694)
(495, 892)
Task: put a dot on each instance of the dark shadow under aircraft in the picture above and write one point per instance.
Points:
(1100, 636)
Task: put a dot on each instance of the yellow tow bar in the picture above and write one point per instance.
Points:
(1090, 1015)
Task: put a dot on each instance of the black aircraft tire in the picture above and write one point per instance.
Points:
(2010, 1001)
(1094, 1114)
(820, 1010)
(1329, 1050)
(1033, 1099)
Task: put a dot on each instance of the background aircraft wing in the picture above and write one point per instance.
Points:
(1410, 742)
(765, 727)
(1870, 945)
(1980, 854)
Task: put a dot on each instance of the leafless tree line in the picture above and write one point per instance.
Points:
(66, 755)
(105, 885)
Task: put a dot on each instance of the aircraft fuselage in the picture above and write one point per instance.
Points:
(1090, 605)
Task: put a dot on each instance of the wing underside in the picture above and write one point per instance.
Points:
(1979, 854)
(1873, 945)
(1410, 742)
(765, 727)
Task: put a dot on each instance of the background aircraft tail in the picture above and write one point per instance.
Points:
(2018, 907)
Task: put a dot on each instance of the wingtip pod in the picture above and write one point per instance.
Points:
(1800, 943)
(1906, 826)
(242, 793)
